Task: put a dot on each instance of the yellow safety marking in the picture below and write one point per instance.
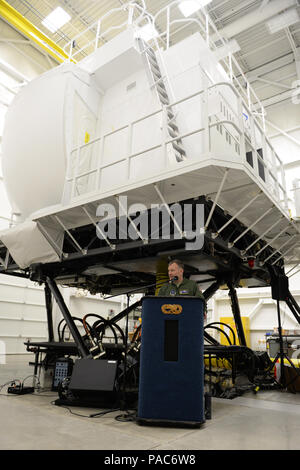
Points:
(20, 23)
(86, 138)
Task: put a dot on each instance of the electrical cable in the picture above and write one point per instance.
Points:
(33, 375)
(106, 324)
(136, 334)
(222, 331)
(96, 415)
(58, 329)
(63, 331)
(124, 417)
(224, 324)
(112, 325)
(72, 412)
(120, 331)
(11, 383)
(61, 335)
(93, 315)
(127, 417)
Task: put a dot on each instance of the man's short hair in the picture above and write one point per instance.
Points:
(178, 262)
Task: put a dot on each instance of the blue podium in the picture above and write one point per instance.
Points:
(171, 383)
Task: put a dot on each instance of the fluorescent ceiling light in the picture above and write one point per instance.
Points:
(188, 7)
(283, 20)
(147, 32)
(56, 19)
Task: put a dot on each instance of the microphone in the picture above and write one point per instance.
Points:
(175, 278)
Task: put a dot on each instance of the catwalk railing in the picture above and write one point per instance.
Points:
(234, 134)
(136, 15)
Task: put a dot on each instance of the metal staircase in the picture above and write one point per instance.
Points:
(158, 83)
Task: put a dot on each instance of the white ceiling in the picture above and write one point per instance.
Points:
(268, 60)
(243, 20)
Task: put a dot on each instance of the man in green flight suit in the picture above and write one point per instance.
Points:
(178, 285)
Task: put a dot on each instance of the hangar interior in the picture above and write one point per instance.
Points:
(134, 134)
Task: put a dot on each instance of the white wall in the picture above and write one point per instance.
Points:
(286, 117)
(81, 303)
(260, 308)
(22, 313)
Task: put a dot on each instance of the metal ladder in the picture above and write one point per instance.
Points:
(158, 83)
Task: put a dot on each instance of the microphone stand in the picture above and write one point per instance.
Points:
(143, 288)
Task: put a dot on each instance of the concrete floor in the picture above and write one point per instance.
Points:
(265, 421)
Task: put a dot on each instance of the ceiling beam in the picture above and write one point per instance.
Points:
(291, 40)
(272, 82)
(21, 24)
(26, 53)
(228, 12)
(292, 165)
(255, 17)
(12, 72)
(282, 78)
(281, 131)
(292, 129)
(15, 41)
(7, 88)
(286, 95)
(270, 67)
(295, 50)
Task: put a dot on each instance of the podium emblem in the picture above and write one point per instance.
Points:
(171, 309)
